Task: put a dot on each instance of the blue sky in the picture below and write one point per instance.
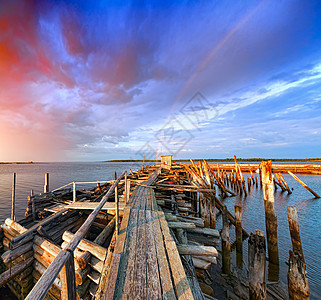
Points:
(84, 80)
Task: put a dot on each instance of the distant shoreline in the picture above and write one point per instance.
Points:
(223, 160)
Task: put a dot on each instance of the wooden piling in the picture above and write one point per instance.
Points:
(298, 285)
(226, 244)
(300, 181)
(13, 197)
(46, 186)
(257, 266)
(238, 235)
(212, 213)
(270, 218)
(295, 231)
(74, 192)
(117, 210)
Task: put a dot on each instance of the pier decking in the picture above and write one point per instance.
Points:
(146, 263)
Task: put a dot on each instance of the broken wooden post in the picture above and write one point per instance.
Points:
(257, 266)
(117, 209)
(99, 187)
(226, 244)
(46, 186)
(74, 192)
(238, 235)
(300, 181)
(298, 285)
(295, 231)
(13, 197)
(270, 218)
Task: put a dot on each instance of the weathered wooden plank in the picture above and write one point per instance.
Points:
(140, 280)
(68, 280)
(130, 270)
(181, 286)
(168, 291)
(153, 279)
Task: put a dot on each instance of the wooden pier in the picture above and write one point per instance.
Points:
(150, 234)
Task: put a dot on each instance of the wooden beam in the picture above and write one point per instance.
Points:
(300, 181)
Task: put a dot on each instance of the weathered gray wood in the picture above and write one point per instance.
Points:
(68, 280)
(295, 231)
(15, 270)
(11, 255)
(270, 217)
(46, 186)
(86, 245)
(298, 285)
(117, 210)
(256, 261)
(183, 225)
(205, 231)
(99, 240)
(43, 285)
(226, 244)
(197, 250)
(13, 197)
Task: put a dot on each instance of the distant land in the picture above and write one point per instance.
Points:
(18, 163)
(224, 160)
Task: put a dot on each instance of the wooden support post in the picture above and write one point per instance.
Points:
(125, 189)
(13, 197)
(300, 181)
(128, 189)
(270, 218)
(295, 231)
(257, 265)
(212, 213)
(298, 285)
(249, 183)
(117, 209)
(46, 186)
(74, 192)
(238, 234)
(204, 207)
(68, 279)
(256, 184)
(226, 244)
(99, 187)
(33, 209)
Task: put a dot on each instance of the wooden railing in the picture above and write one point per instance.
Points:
(64, 261)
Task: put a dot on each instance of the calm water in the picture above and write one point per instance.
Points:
(31, 176)
(309, 210)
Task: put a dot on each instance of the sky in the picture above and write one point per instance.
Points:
(101, 80)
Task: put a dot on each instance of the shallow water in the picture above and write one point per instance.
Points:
(309, 210)
(31, 176)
